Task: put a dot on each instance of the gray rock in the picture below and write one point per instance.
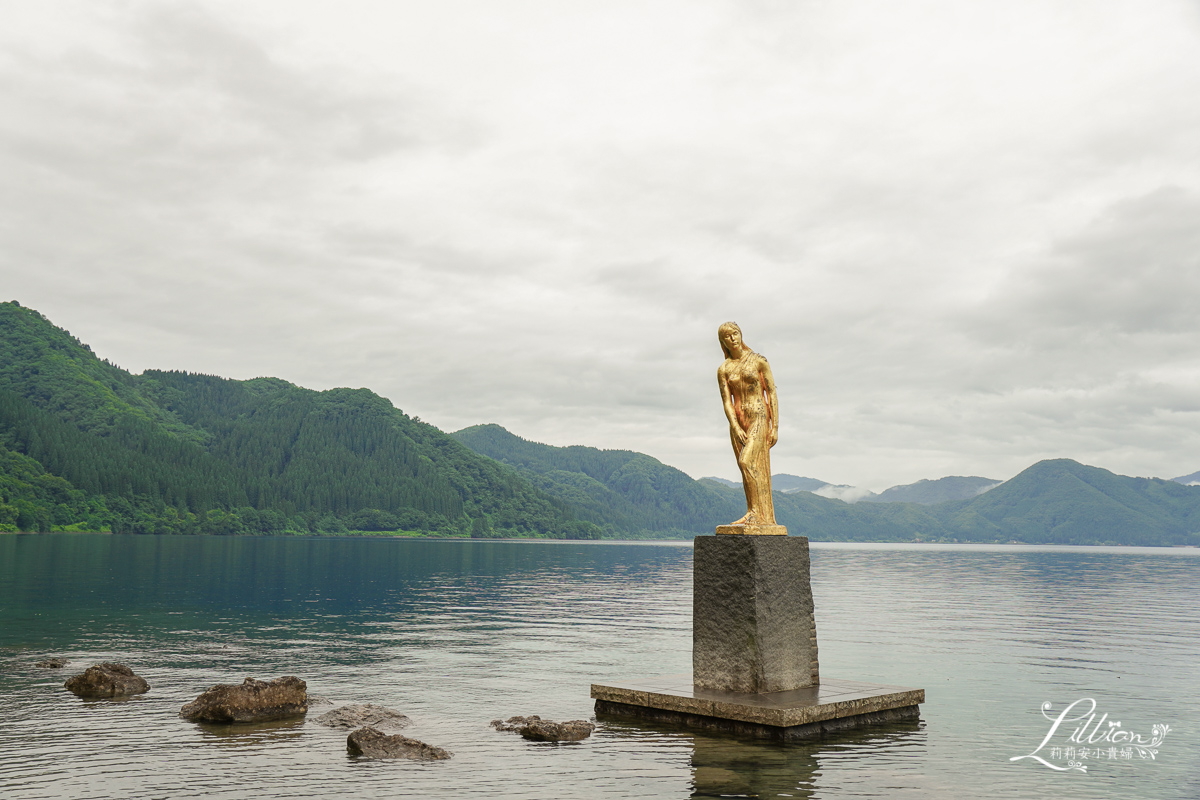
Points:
(251, 701)
(364, 716)
(544, 730)
(52, 663)
(107, 680)
(374, 743)
(514, 724)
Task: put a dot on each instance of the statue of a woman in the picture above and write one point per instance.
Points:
(748, 392)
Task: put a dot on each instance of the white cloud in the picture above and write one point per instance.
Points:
(847, 494)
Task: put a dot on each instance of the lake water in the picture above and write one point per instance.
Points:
(457, 633)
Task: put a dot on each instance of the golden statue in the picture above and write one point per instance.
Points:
(748, 393)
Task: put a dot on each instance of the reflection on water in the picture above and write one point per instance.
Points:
(251, 734)
(457, 633)
(723, 766)
(727, 767)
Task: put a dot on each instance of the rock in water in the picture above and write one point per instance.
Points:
(366, 715)
(252, 701)
(514, 723)
(52, 663)
(374, 743)
(544, 730)
(107, 680)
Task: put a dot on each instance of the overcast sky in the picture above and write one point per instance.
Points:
(965, 234)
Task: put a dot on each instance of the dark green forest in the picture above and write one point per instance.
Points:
(88, 446)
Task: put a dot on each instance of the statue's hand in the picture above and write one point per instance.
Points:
(774, 437)
(739, 434)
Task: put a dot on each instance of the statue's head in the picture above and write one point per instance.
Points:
(725, 333)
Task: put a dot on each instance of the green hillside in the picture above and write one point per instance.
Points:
(623, 491)
(629, 492)
(170, 452)
(824, 519)
(59, 374)
(1064, 502)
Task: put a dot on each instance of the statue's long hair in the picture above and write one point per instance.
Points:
(725, 328)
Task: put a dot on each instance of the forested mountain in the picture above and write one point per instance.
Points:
(85, 445)
(1053, 502)
(1065, 502)
(618, 489)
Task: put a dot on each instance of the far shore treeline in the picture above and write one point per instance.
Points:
(88, 446)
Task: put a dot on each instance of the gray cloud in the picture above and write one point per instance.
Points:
(965, 242)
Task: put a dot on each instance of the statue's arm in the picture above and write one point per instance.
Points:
(727, 402)
(768, 384)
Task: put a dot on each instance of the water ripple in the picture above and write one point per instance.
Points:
(455, 634)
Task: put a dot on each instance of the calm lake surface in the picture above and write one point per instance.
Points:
(457, 633)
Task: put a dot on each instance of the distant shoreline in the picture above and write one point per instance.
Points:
(672, 542)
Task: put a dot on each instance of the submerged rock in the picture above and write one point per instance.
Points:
(544, 730)
(374, 743)
(362, 716)
(52, 663)
(250, 701)
(107, 680)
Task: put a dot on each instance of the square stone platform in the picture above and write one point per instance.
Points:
(833, 705)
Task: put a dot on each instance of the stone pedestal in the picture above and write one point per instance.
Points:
(754, 652)
(752, 614)
(832, 706)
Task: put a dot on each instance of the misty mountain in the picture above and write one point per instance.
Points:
(843, 492)
(794, 483)
(1189, 480)
(931, 492)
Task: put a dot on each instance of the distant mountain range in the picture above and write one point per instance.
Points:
(1057, 501)
(924, 492)
(619, 490)
(1189, 480)
(932, 492)
(85, 445)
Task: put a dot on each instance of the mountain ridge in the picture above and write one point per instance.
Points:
(936, 490)
(175, 452)
(86, 445)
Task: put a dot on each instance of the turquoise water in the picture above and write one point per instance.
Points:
(457, 633)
